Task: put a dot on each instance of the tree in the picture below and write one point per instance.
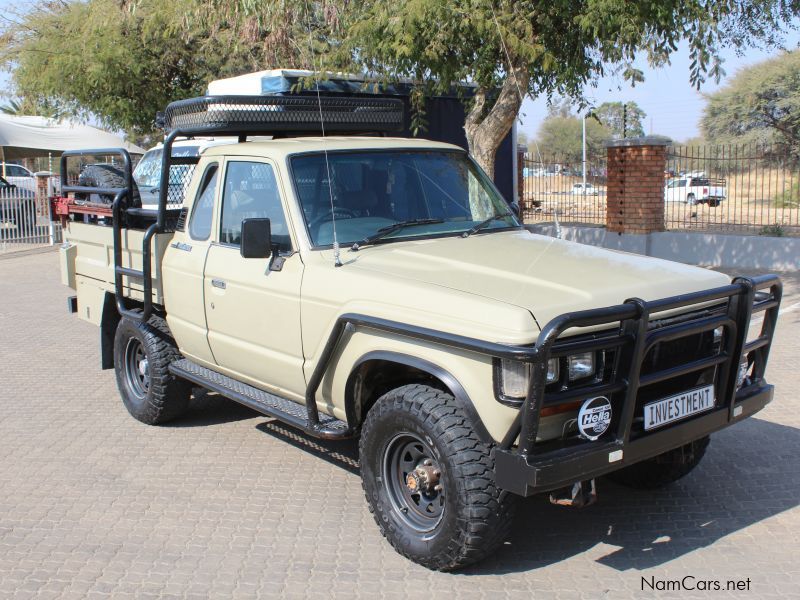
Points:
(560, 137)
(119, 62)
(760, 104)
(511, 48)
(622, 119)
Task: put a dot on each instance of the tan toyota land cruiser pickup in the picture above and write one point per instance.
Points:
(381, 288)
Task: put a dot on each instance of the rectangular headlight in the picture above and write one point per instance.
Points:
(515, 377)
(581, 365)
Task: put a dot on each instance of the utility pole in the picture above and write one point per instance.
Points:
(584, 154)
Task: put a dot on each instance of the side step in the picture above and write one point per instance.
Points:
(286, 411)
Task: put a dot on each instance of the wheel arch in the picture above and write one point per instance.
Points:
(358, 401)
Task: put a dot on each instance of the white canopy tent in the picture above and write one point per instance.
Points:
(30, 137)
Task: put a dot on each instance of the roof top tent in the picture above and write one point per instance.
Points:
(445, 114)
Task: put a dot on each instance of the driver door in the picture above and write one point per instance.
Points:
(253, 313)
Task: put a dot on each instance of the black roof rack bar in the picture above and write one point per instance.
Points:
(251, 115)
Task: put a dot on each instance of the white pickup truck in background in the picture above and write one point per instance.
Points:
(695, 188)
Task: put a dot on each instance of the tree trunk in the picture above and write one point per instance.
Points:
(485, 132)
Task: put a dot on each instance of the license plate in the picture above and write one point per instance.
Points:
(668, 410)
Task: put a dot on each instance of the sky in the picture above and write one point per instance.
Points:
(672, 105)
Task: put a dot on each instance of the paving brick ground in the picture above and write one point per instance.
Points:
(227, 504)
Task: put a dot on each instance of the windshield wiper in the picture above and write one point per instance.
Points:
(390, 229)
(485, 223)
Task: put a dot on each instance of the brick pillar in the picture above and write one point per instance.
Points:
(635, 184)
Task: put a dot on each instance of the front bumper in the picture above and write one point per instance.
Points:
(526, 466)
(531, 474)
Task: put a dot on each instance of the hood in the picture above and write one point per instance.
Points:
(541, 274)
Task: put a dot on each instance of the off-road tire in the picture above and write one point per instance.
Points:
(165, 396)
(107, 176)
(476, 517)
(663, 469)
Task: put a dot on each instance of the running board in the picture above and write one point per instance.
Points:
(286, 411)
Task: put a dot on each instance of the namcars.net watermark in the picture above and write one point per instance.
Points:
(690, 583)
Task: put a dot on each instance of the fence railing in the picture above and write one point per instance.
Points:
(736, 188)
(25, 221)
(553, 188)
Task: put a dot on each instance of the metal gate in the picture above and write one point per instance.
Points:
(25, 221)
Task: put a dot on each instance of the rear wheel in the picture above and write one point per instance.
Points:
(663, 469)
(429, 480)
(142, 355)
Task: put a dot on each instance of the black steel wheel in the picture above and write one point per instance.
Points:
(412, 476)
(142, 355)
(137, 368)
(429, 479)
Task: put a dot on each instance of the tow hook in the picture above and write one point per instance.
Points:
(578, 495)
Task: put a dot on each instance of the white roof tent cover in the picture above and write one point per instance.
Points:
(29, 137)
(282, 81)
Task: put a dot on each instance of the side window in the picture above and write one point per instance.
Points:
(251, 192)
(203, 210)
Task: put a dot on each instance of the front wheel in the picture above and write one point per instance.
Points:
(429, 480)
(663, 469)
(142, 355)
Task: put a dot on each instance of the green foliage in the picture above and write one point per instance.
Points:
(561, 137)
(119, 61)
(774, 230)
(761, 104)
(621, 119)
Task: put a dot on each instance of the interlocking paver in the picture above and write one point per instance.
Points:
(225, 503)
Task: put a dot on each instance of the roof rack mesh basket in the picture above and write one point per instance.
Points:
(270, 114)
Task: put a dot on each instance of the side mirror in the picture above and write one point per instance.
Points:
(256, 239)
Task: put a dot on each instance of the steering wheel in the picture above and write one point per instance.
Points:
(337, 213)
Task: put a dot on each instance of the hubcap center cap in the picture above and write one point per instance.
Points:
(143, 367)
(424, 478)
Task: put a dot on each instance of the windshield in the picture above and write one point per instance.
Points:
(374, 190)
(147, 173)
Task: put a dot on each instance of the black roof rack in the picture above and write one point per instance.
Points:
(248, 115)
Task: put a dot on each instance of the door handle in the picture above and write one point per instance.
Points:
(218, 283)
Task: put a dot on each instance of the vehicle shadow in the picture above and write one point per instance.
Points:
(209, 408)
(749, 474)
(342, 453)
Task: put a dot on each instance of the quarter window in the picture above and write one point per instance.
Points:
(203, 210)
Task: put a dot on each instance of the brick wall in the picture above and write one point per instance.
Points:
(635, 188)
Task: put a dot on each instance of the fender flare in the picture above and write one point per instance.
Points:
(461, 397)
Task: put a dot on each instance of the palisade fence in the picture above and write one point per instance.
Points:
(750, 189)
(25, 221)
(553, 188)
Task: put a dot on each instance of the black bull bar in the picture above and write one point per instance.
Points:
(524, 469)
